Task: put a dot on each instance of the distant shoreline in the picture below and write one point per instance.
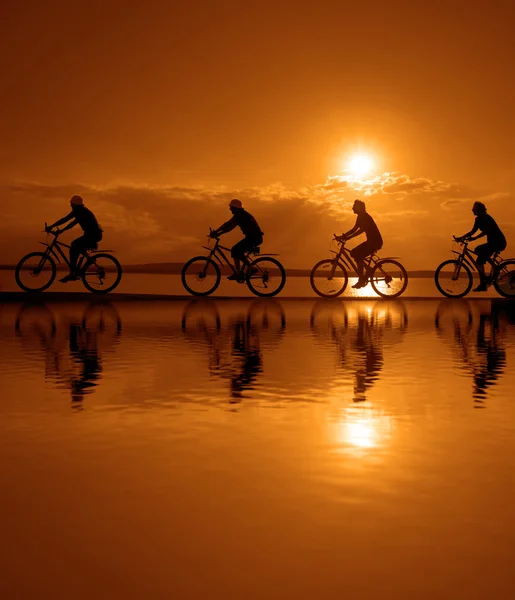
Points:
(176, 268)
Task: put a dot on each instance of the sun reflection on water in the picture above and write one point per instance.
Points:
(351, 431)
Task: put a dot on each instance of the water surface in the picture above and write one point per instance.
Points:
(257, 449)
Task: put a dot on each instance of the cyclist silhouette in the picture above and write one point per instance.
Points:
(495, 241)
(364, 224)
(79, 215)
(250, 229)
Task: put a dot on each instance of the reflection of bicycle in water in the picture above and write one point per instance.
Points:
(264, 275)
(235, 347)
(329, 277)
(73, 348)
(360, 332)
(477, 340)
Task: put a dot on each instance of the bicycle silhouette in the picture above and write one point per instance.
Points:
(100, 272)
(265, 276)
(329, 277)
(453, 278)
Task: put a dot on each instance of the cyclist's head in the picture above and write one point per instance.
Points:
(76, 201)
(235, 204)
(358, 207)
(479, 208)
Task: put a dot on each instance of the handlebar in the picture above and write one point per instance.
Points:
(461, 240)
(56, 232)
(213, 235)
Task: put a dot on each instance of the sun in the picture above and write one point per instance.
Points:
(359, 165)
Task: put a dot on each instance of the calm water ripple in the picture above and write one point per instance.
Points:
(258, 449)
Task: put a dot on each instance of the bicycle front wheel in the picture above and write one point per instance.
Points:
(389, 279)
(265, 277)
(102, 273)
(35, 272)
(504, 283)
(200, 276)
(452, 279)
(327, 279)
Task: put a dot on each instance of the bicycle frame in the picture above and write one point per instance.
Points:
(217, 252)
(56, 250)
(344, 255)
(466, 257)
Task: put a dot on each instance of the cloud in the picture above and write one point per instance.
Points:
(156, 224)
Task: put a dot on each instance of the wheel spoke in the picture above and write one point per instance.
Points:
(453, 279)
(327, 279)
(200, 276)
(35, 272)
(505, 282)
(102, 273)
(389, 279)
(265, 277)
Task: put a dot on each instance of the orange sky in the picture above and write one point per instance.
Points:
(157, 112)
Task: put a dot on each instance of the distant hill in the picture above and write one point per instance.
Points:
(175, 268)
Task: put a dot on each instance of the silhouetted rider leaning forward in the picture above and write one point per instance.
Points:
(364, 224)
(495, 241)
(250, 229)
(79, 215)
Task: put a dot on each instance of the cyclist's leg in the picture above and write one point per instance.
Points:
(483, 253)
(359, 253)
(78, 246)
(239, 250)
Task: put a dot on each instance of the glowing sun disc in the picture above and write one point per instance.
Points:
(360, 164)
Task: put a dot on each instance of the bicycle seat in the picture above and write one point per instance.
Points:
(93, 247)
(255, 250)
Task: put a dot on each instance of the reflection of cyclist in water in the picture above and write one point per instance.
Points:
(84, 350)
(368, 346)
(479, 345)
(235, 349)
(491, 355)
(359, 333)
(247, 349)
(100, 327)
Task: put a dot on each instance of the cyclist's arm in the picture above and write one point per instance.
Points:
(226, 227)
(72, 224)
(68, 217)
(469, 234)
(477, 236)
(355, 231)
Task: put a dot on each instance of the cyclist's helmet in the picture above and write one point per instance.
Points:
(235, 203)
(77, 201)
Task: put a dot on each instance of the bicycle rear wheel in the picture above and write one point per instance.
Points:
(504, 283)
(265, 277)
(35, 272)
(452, 279)
(200, 276)
(326, 282)
(389, 278)
(102, 273)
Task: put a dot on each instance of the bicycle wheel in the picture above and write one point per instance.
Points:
(265, 277)
(102, 273)
(35, 272)
(200, 276)
(389, 278)
(453, 280)
(504, 283)
(326, 285)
